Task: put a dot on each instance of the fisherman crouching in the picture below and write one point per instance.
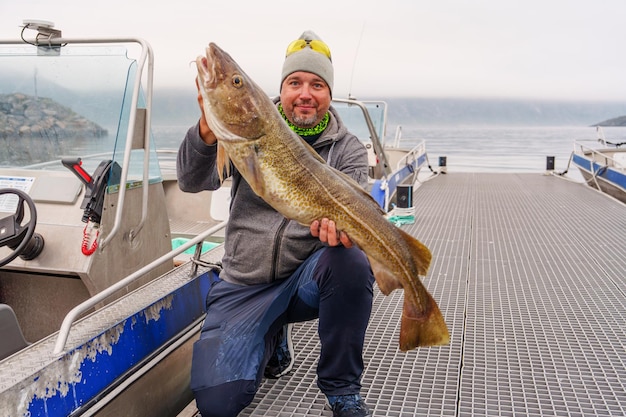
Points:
(277, 272)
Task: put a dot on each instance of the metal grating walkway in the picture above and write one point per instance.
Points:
(530, 273)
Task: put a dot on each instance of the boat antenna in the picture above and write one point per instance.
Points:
(356, 53)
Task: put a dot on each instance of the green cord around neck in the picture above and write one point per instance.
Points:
(306, 131)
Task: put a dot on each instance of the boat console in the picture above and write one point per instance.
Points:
(73, 128)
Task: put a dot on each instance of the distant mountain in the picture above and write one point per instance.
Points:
(616, 121)
(461, 112)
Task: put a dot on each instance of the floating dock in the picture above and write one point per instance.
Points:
(529, 271)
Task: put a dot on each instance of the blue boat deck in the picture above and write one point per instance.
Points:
(529, 271)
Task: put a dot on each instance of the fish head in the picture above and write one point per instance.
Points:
(233, 104)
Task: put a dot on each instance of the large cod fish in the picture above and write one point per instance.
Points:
(291, 177)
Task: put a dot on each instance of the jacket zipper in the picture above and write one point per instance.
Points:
(277, 239)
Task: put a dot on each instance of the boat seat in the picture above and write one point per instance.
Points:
(12, 339)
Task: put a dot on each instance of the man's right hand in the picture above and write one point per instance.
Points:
(327, 232)
(206, 133)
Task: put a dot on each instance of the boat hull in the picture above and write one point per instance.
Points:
(609, 180)
(129, 358)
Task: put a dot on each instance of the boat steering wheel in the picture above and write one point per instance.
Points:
(16, 235)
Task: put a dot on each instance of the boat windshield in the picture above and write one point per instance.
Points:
(68, 102)
(353, 118)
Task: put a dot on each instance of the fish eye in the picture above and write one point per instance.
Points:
(237, 81)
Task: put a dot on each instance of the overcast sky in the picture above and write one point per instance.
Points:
(546, 49)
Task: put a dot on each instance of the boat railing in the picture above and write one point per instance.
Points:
(77, 311)
(601, 137)
(600, 157)
(405, 173)
(397, 137)
(412, 155)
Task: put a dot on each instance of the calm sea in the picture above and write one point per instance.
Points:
(477, 149)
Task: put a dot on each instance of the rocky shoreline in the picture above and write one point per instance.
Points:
(25, 116)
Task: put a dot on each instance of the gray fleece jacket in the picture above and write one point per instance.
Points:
(261, 245)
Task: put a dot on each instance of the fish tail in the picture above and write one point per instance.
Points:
(422, 328)
(422, 323)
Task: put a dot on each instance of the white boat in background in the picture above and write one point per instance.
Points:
(602, 164)
(98, 311)
(393, 169)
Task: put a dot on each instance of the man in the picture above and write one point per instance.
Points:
(277, 272)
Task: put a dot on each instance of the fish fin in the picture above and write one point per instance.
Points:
(254, 173)
(422, 329)
(223, 162)
(421, 254)
(386, 281)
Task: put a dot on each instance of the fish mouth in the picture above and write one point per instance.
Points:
(207, 68)
(228, 108)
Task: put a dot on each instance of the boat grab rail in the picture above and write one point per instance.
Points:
(412, 155)
(146, 54)
(397, 137)
(601, 137)
(609, 162)
(411, 161)
(73, 314)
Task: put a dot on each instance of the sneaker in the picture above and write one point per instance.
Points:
(282, 360)
(348, 406)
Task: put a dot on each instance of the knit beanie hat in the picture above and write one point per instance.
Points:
(309, 57)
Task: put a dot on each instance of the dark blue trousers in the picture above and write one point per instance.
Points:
(238, 335)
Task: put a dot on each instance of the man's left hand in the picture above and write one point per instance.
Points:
(326, 231)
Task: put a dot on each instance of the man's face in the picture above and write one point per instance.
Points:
(305, 98)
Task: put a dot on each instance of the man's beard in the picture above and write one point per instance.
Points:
(305, 121)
